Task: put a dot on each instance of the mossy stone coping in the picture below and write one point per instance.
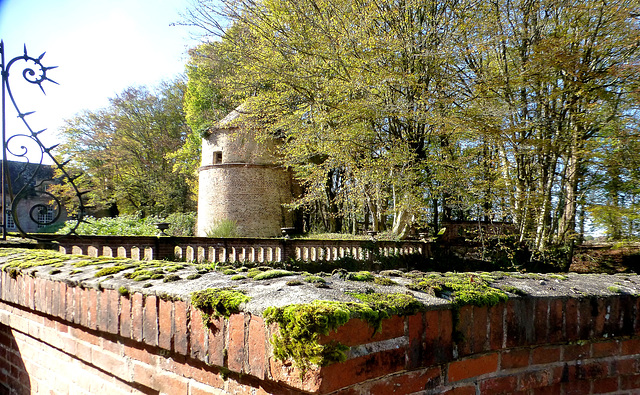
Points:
(323, 301)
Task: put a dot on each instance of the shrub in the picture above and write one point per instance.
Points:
(181, 224)
(223, 228)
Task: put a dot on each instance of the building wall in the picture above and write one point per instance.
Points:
(251, 195)
(240, 181)
(57, 338)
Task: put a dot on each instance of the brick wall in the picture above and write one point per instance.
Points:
(251, 195)
(56, 338)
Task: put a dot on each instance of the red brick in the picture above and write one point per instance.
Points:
(361, 369)
(103, 310)
(578, 387)
(612, 316)
(628, 366)
(541, 320)
(236, 343)
(520, 323)
(464, 390)
(70, 311)
(605, 349)
(591, 371)
(353, 333)
(139, 354)
(605, 385)
(29, 292)
(416, 329)
(480, 329)
(109, 362)
(586, 309)
(444, 346)
(125, 316)
(544, 355)
(165, 323)
(630, 382)
(472, 367)
(630, 346)
(92, 317)
(180, 331)
(79, 305)
(571, 319)
(113, 316)
(197, 333)
(170, 384)
(556, 321)
(572, 352)
(552, 389)
(496, 326)
(150, 321)
(537, 379)
(137, 316)
(600, 319)
(465, 330)
(499, 385)
(514, 359)
(410, 382)
(257, 347)
(357, 332)
(627, 314)
(216, 341)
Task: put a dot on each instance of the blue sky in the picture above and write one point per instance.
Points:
(100, 48)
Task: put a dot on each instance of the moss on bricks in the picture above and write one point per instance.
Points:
(300, 325)
(110, 270)
(274, 273)
(215, 302)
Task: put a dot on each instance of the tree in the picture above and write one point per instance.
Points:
(123, 150)
(412, 112)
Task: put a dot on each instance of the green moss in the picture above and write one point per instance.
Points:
(273, 273)
(292, 283)
(193, 276)
(384, 281)
(460, 288)
(124, 291)
(315, 279)
(215, 302)
(300, 325)
(157, 276)
(360, 276)
(110, 270)
(238, 277)
(514, 290)
(142, 277)
(614, 289)
(170, 277)
(229, 272)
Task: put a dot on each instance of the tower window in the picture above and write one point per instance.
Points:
(217, 157)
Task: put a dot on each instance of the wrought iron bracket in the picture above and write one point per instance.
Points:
(28, 193)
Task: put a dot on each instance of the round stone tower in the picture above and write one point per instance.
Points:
(240, 181)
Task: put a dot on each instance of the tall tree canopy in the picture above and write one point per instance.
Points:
(124, 151)
(411, 112)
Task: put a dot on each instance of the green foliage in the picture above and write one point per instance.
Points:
(215, 302)
(439, 110)
(224, 228)
(181, 224)
(122, 150)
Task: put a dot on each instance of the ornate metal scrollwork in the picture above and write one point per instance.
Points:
(27, 182)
